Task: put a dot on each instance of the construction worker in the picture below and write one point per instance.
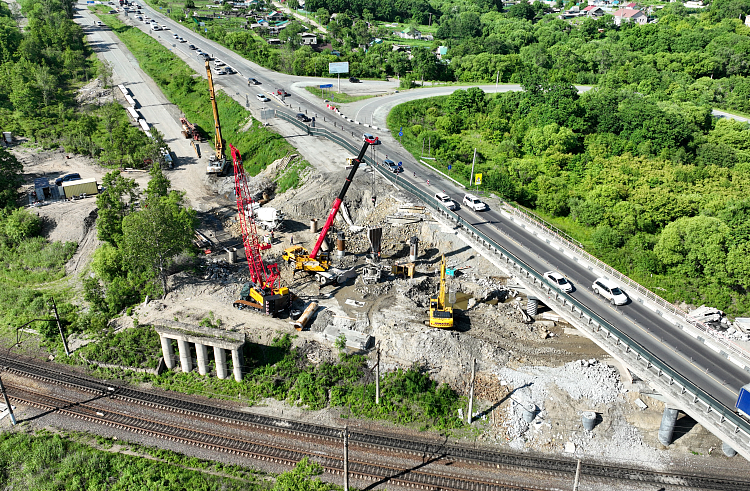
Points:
(271, 236)
(291, 240)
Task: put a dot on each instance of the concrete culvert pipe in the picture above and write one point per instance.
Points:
(529, 413)
(588, 418)
(313, 225)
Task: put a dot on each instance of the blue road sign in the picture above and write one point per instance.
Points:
(450, 166)
(326, 86)
(400, 133)
(399, 164)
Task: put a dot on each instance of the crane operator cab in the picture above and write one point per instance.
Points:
(263, 300)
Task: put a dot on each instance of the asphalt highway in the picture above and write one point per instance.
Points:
(705, 368)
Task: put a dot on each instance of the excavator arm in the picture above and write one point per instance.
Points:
(340, 198)
(219, 141)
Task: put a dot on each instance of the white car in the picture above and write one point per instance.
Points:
(558, 281)
(218, 63)
(474, 203)
(262, 98)
(446, 201)
(610, 291)
(165, 27)
(155, 27)
(174, 35)
(221, 71)
(182, 40)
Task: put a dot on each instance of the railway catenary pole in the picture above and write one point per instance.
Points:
(7, 403)
(377, 379)
(346, 458)
(471, 391)
(578, 474)
(59, 328)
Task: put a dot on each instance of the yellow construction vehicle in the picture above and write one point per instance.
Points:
(217, 164)
(441, 316)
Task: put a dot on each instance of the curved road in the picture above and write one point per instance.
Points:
(704, 367)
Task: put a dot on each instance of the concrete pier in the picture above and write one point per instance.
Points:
(237, 361)
(668, 421)
(167, 351)
(201, 354)
(728, 450)
(185, 360)
(203, 337)
(220, 355)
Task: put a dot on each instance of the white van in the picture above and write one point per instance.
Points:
(610, 291)
(155, 27)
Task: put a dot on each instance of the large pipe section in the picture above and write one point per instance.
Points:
(666, 429)
(300, 323)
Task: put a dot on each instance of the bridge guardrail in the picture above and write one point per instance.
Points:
(577, 248)
(663, 369)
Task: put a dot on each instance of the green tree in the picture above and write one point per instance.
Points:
(114, 203)
(21, 225)
(153, 236)
(695, 247)
(522, 10)
(10, 177)
(301, 478)
(189, 4)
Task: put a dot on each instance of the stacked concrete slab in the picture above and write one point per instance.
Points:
(202, 337)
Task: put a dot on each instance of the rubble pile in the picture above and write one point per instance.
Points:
(717, 319)
(93, 93)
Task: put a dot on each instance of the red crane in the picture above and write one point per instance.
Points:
(264, 292)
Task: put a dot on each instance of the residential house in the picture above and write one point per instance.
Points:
(747, 21)
(309, 38)
(631, 5)
(629, 15)
(594, 11)
(410, 34)
(274, 16)
(274, 41)
(442, 51)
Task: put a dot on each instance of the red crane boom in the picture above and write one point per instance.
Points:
(337, 202)
(264, 276)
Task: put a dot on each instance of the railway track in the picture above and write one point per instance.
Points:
(261, 451)
(499, 460)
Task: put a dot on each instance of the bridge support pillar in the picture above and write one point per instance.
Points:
(201, 355)
(167, 351)
(532, 305)
(728, 451)
(221, 362)
(237, 362)
(668, 421)
(185, 361)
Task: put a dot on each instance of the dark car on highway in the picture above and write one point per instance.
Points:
(302, 117)
(67, 177)
(354, 80)
(252, 81)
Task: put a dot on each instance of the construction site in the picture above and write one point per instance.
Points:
(348, 254)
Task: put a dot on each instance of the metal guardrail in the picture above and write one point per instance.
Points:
(663, 369)
(577, 248)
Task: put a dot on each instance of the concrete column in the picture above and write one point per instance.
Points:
(201, 353)
(728, 451)
(237, 362)
(668, 421)
(185, 361)
(220, 355)
(531, 305)
(167, 351)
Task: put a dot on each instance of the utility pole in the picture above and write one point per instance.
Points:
(7, 403)
(497, 78)
(471, 391)
(59, 328)
(578, 474)
(346, 458)
(377, 377)
(473, 161)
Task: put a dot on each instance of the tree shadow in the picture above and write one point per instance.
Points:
(68, 406)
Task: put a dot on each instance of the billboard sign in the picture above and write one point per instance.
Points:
(340, 67)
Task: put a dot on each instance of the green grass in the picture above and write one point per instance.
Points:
(338, 97)
(49, 462)
(290, 177)
(138, 347)
(258, 146)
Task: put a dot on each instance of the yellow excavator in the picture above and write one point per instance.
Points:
(441, 315)
(217, 164)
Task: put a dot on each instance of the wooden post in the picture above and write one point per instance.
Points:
(469, 418)
(377, 380)
(59, 328)
(578, 474)
(346, 458)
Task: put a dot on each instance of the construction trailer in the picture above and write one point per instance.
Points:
(43, 191)
(131, 101)
(133, 114)
(72, 189)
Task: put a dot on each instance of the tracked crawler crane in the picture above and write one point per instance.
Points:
(264, 291)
